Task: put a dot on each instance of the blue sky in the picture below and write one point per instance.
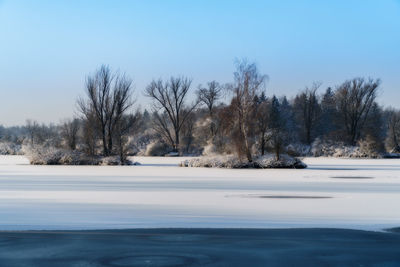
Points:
(48, 47)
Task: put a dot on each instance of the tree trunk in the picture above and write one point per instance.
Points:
(105, 150)
(246, 144)
(110, 144)
(277, 152)
(176, 141)
(262, 144)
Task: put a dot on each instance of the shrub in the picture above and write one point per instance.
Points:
(370, 147)
(366, 149)
(233, 162)
(115, 160)
(157, 149)
(8, 148)
(285, 162)
(42, 155)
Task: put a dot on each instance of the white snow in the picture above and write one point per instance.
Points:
(160, 194)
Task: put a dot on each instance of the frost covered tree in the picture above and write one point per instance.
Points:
(41, 134)
(354, 99)
(69, 132)
(209, 96)
(170, 108)
(32, 129)
(248, 82)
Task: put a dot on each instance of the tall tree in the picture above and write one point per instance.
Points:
(171, 110)
(393, 131)
(125, 127)
(277, 127)
(32, 128)
(209, 96)
(262, 117)
(108, 99)
(69, 132)
(247, 83)
(328, 119)
(307, 112)
(354, 99)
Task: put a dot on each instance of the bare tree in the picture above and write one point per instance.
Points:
(108, 99)
(209, 96)
(170, 107)
(69, 132)
(355, 99)
(247, 83)
(42, 134)
(308, 111)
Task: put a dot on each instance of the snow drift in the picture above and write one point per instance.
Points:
(232, 162)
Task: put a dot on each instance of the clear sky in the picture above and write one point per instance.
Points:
(48, 47)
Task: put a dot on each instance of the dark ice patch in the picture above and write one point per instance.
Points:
(352, 177)
(283, 196)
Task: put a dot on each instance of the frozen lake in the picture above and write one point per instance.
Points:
(334, 193)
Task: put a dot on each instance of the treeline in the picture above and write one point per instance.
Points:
(250, 124)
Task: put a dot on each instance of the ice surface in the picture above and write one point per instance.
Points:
(160, 194)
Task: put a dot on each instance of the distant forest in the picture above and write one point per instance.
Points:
(342, 121)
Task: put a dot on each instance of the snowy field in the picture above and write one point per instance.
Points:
(338, 193)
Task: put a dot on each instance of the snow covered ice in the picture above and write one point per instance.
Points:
(338, 193)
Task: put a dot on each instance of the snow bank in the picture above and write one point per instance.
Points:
(232, 162)
(40, 155)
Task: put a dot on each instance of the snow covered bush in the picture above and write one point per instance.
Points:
(320, 148)
(370, 147)
(8, 148)
(233, 162)
(40, 155)
(285, 161)
(157, 149)
(44, 155)
(366, 149)
(77, 158)
(227, 161)
(347, 152)
(115, 160)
